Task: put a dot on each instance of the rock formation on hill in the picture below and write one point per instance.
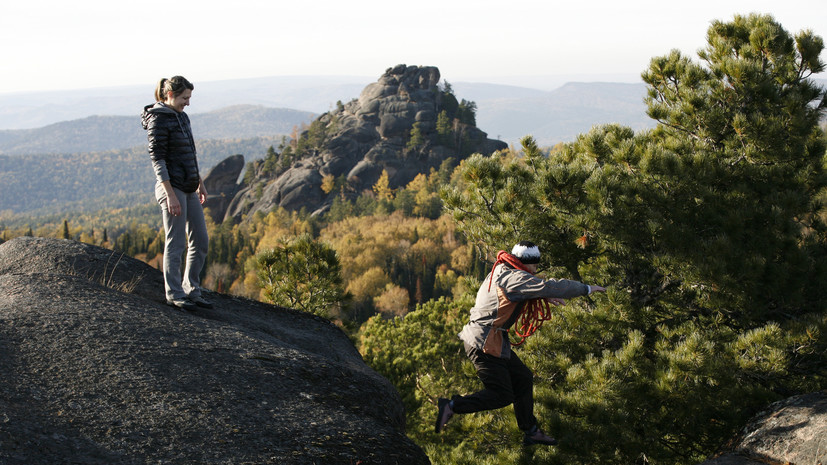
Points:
(403, 124)
(791, 431)
(96, 369)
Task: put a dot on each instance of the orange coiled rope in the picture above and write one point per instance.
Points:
(535, 311)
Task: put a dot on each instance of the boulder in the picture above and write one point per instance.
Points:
(97, 369)
(222, 185)
(791, 431)
(223, 177)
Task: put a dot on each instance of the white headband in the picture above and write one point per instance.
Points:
(521, 252)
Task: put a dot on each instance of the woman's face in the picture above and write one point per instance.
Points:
(178, 103)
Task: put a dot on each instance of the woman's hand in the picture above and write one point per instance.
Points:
(202, 193)
(173, 205)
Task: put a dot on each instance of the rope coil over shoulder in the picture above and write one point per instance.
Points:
(535, 311)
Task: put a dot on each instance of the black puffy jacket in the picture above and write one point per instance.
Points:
(171, 146)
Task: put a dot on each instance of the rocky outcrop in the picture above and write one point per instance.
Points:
(360, 139)
(222, 185)
(792, 431)
(96, 369)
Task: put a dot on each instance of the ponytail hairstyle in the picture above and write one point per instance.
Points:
(175, 84)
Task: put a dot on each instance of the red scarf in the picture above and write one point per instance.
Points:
(535, 311)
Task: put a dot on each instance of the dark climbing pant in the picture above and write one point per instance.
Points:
(507, 381)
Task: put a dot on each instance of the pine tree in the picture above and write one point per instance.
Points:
(444, 128)
(708, 232)
(417, 139)
(303, 274)
(467, 113)
(271, 165)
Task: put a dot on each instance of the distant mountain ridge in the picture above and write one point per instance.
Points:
(505, 112)
(559, 115)
(102, 133)
(315, 94)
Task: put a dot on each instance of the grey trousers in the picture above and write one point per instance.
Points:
(185, 232)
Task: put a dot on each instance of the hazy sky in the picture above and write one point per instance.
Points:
(54, 44)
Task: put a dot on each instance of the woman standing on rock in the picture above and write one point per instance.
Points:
(178, 189)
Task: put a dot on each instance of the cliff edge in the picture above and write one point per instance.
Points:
(97, 369)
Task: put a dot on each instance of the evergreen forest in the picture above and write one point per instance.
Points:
(708, 231)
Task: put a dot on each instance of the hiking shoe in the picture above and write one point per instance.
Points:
(183, 304)
(443, 414)
(538, 437)
(198, 300)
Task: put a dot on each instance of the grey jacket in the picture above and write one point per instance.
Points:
(171, 146)
(497, 309)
